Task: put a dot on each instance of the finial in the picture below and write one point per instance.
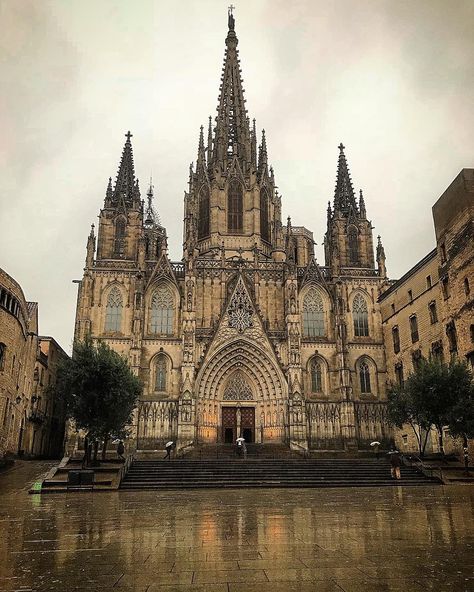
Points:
(128, 135)
(341, 147)
(231, 19)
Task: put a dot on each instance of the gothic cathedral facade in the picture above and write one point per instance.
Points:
(247, 335)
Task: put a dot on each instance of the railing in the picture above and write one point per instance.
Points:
(125, 467)
(414, 460)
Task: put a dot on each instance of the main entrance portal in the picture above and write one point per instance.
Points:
(236, 422)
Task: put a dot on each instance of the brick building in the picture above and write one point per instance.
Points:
(23, 404)
(429, 311)
(247, 334)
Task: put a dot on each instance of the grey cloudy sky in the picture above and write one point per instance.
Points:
(394, 81)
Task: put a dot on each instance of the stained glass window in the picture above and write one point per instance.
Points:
(113, 311)
(316, 377)
(162, 311)
(360, 315)
(364, 375)
(160, 382)
(353, 244)
(313, 314)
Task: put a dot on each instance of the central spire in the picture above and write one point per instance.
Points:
(344, 198)
(232, 133)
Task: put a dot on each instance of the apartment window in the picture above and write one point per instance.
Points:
(445, 287)
(452, 336)
(399, 373)
(405, 439)
(396, 340)
(433, 312)
(410, 296)
(414, 329)
(428, 282)
(3, 350)
(393, 308)
(442, 249)
(467, 289)
(416, 359)
(437, 350)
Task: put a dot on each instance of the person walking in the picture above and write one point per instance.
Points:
(169, 447)
(120, 450)
(395, 463)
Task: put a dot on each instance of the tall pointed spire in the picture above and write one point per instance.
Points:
(232, 130)
(125, 188)
(262, 155)
(344, 198)
(209, 141)
(363, 213)
(201, 157)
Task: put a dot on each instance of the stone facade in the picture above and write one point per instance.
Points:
(24, 405)
(428, 312)
(247, 334)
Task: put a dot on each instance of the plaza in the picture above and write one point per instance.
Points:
(331, 540)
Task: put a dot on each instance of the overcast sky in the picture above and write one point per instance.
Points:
(392, 80)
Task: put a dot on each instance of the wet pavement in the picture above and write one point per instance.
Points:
(325, 540)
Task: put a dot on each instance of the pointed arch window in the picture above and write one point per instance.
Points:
(235, 207)
(162, 311)
(316, 376)
(204, 214)
(3, 349)
(360, 315)
(353, 245)
(313, 314)
(364, 378)
(119, 242)
(264, 215)
(113, 311)
(161, 369)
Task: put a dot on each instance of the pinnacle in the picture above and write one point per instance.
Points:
(125, 181)
(344, 198)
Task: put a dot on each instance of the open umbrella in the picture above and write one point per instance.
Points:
(170, 443)
(375, 443)
(240, 439)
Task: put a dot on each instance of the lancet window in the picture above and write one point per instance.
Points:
(119, 242)
(364, 377)
(160, 373)
(316, 376)
(360, 315)
(313, 314)
(113, 311)
(353, 245)
(204, 214)
(235, 207)
(264, 206)
(162, 311)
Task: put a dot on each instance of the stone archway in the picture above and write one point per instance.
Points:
(242, 374)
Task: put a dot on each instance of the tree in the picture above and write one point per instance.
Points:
(461, 415)
(99, 390)
(402, 410)
(434, 395)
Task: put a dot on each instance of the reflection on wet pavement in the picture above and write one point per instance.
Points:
(327, 540)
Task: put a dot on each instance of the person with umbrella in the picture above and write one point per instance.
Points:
(241, 448)
(169, 447)
(395, 463)
(375, 445)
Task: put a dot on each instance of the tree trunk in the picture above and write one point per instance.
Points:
(425, 443)
(86, 449)
(96, 451)
(104, 447)
(440, 439)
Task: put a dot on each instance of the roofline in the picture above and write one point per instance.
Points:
(49, 338)
(408, 274)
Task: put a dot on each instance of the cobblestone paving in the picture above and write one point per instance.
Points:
(330, 540)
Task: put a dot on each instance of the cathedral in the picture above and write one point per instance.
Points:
(248, 335)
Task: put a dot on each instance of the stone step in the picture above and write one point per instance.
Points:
(189, 473)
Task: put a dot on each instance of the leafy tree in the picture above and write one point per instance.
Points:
(435, 394)
(402, 410)
(99, 390)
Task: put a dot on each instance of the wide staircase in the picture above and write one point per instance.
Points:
(222, 468)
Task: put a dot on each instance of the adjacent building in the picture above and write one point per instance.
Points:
(31, 420)
(429, 311)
